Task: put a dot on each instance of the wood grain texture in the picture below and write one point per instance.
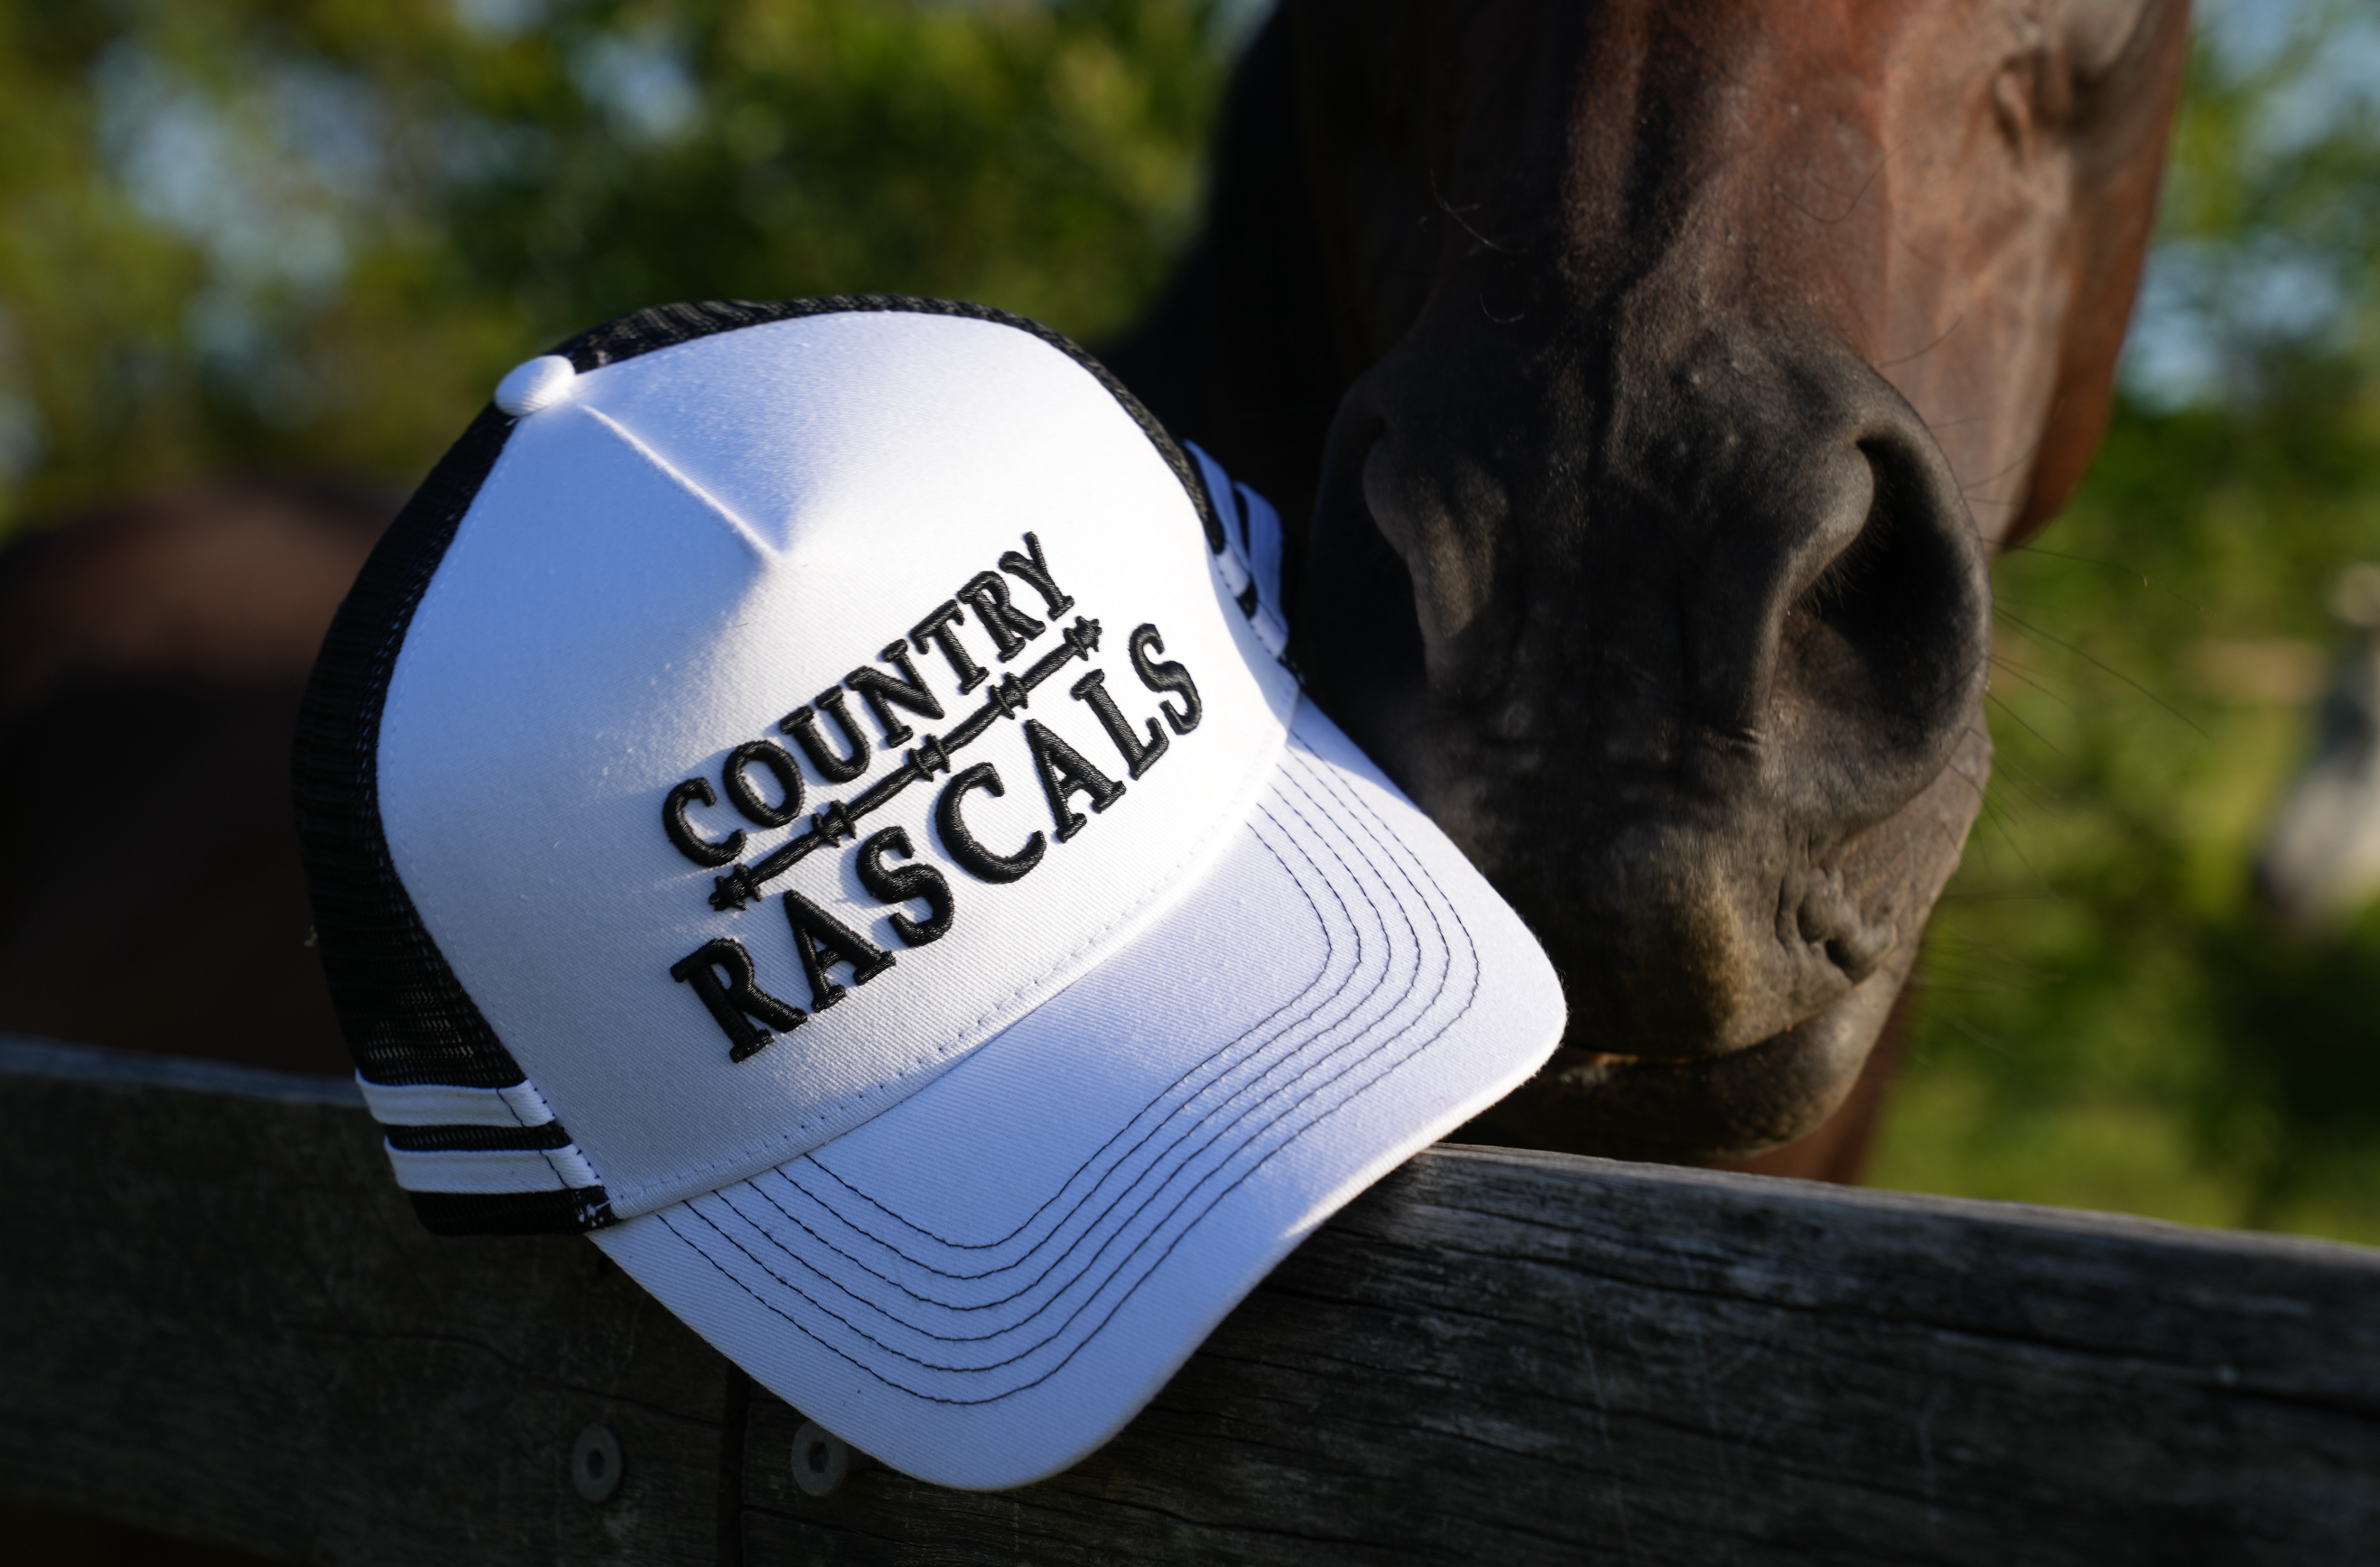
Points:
(218, 1317)
(220, 1320)
(1520, 1358)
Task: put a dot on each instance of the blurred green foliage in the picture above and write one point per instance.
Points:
(2112, 1022)
(309, 233)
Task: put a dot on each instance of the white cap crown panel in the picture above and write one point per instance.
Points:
(697, 541)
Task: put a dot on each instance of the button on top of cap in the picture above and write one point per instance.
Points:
(539, 384)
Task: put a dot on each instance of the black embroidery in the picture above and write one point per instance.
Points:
(899, 883)
(802, 724)
(879, 794)
(965, 847)
(1010, 696)
(1007, 698)
(814, 928)
(1064, 772)
(1034, 567)
(1139, 756)
(745, 798)
(1165, 677)
(1010, 628)
(883, 693)
(834, 825)
(737, 999)
(704, 853)
(936, 628)
(928, 758)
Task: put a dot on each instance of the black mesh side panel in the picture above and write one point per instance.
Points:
(512, 1213)
(406, 1017)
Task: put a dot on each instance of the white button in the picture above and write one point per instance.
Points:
(539, 384)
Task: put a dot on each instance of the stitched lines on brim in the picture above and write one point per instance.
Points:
(1061, 1311)
(1119, 1285)
(1371, 998)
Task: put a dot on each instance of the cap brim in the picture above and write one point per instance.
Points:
(982, 1284)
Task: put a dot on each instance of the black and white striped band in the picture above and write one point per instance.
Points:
(453, 1143)
(1249, 562)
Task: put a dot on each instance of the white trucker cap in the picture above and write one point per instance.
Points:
(809, 794)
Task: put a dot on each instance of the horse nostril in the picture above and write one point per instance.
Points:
(1447, 517)
(1885, 649)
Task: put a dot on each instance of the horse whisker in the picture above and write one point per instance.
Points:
(2018, 718)
(1996, 816)
(1920, 353)
(2031, 679)
(2152, 696)
(1975, 1033)
(2111, 565)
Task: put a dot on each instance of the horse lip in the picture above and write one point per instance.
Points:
(1703, 1110)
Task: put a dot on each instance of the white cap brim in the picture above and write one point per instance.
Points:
(1111, 1175)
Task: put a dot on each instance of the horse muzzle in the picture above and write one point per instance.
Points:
(1688, 654)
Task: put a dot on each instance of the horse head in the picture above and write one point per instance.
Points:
(1655, 380)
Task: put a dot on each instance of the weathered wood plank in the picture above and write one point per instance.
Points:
(217, 1318)
(1521, 1358)
(220, 1320)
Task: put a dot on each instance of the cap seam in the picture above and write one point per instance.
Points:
(628, 438)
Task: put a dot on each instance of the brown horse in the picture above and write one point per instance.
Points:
(1646, 383)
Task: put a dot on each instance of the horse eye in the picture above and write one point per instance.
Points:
(2018, 94)
(2096, 35)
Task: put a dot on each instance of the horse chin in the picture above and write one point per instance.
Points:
(1708, 1110)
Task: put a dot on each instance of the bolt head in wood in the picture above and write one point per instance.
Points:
(596, 1463)
(822, 1459)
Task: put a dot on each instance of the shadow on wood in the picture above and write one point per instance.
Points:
(218, 1320)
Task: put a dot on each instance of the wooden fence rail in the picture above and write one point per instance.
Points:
(218, 1320)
